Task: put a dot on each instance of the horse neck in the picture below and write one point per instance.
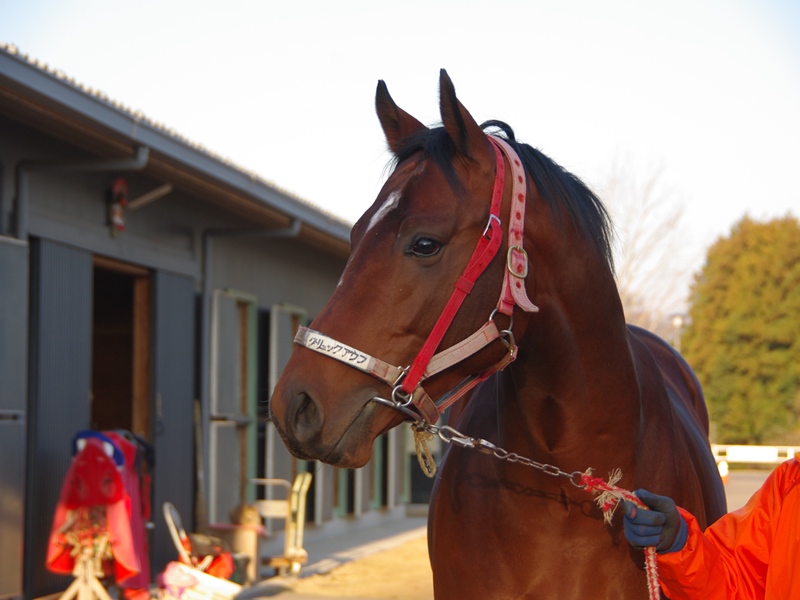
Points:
(575, 378)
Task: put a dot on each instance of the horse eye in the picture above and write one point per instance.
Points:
(425, 247)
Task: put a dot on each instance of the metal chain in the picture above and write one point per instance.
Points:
(450, 435)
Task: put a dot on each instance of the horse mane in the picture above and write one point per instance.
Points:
(557, 186)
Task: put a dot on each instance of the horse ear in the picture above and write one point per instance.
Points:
(397, 124)
(468, 137)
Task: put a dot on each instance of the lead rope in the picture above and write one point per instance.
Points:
(608, 493)
(424, 455)
(608, 500)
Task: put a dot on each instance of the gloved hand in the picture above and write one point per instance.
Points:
(662, 527)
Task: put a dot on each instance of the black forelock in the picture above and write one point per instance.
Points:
(437, 146)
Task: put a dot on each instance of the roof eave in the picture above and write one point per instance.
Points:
(87, 109)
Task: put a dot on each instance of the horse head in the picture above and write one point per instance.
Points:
(411, 252)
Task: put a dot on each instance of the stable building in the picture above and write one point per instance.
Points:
(147, 285)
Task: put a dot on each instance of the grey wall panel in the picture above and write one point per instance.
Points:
(13, 323)
(12, 507)
(224, 478)
(13, 404)
(59, 384)
(173, 382)
(281, 271)
(226, 393)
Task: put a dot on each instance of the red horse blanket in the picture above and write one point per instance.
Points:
(100, 509)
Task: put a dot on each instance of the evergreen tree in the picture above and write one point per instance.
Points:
(743, 340)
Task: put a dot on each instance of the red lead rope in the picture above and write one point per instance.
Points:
(609, 498)
(485, 251)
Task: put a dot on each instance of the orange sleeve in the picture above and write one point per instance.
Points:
(730, 559)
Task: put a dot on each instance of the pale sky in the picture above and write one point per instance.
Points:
(709, 91)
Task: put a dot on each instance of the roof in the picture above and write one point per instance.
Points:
(47, 99)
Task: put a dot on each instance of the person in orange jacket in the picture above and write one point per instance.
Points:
(751, 553)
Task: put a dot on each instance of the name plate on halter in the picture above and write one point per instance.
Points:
(314, 340)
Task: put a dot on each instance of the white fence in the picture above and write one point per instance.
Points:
(771, 455)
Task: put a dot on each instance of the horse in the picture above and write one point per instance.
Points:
(548, 376)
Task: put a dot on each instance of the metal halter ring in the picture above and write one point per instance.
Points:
(400, 397)
(510, 320)
(507, 337)
(394, 405)
(576, 479)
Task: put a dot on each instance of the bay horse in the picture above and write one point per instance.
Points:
(549, 372)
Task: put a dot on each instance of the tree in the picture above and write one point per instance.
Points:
(648, 254)
(743, 340)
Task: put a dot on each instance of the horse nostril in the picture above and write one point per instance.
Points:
(307, 418)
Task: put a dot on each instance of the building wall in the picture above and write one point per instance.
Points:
(306, 279)
(67, 223)
(13, 410)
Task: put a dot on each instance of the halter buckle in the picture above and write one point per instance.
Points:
(509, 259)
(399, 381)
(489, 223)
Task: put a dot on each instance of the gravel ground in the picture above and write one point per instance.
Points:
(401, 573)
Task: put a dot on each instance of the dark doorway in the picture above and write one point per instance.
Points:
(121, 348)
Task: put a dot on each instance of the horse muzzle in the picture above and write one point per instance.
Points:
(335, 431)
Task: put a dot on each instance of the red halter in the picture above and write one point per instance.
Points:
(407, 383)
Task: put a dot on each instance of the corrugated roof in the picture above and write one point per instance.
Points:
(184, 150)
